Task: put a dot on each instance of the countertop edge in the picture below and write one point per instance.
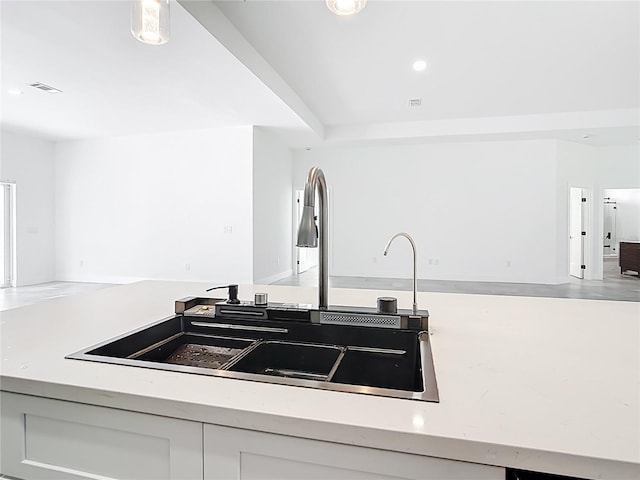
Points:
(459, 449)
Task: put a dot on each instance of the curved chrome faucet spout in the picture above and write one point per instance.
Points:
(415, 263)
(307, 233)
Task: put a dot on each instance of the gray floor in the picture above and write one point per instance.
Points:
(20, 296)
(614, 286)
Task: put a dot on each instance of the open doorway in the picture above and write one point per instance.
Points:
(621, 224)
(7, 234)
(306, 258)
(609, 241)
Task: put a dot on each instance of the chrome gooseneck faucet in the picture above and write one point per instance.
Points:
(415, 262)
(308, 233)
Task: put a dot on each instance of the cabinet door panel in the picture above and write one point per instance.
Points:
(264, 467)
(231, 453)
(51, 439)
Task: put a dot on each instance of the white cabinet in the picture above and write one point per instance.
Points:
(51, 439)
(231, 453)
(45, 439)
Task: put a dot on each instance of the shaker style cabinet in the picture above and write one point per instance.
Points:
(235, 454)
(46, 439)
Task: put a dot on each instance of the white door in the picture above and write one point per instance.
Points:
(576, 237)
(305, 257)
(7, 234)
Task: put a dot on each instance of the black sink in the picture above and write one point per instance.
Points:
(357, 359)
(391, 369)
(130, 344)
(196, 350)
(292, 360)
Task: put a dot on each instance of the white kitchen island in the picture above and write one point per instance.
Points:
(541, 384)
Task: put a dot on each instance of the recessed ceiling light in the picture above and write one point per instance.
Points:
(346, 7)
(419, 65)
(14, 91)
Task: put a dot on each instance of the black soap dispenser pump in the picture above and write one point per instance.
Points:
(233, 293)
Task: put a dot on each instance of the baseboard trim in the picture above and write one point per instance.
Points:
(98, 279)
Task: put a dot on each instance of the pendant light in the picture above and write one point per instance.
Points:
(150, 21)
(346, 7)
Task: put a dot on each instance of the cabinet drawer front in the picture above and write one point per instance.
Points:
(231, 453)
(51, 439)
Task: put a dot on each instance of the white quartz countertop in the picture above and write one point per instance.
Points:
(540, 384)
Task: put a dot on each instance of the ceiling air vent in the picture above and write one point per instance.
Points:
(415, 102)
(45, 88)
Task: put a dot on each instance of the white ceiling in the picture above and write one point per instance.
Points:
(486, 58)
(509, 69)
(114, 85)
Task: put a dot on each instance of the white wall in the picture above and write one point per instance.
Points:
(272, 208)
(477, 211)
(595, 168)
(156, 207)
(138, 207)
(29, 162)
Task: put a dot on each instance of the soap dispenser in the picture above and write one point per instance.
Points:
(233, 293)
